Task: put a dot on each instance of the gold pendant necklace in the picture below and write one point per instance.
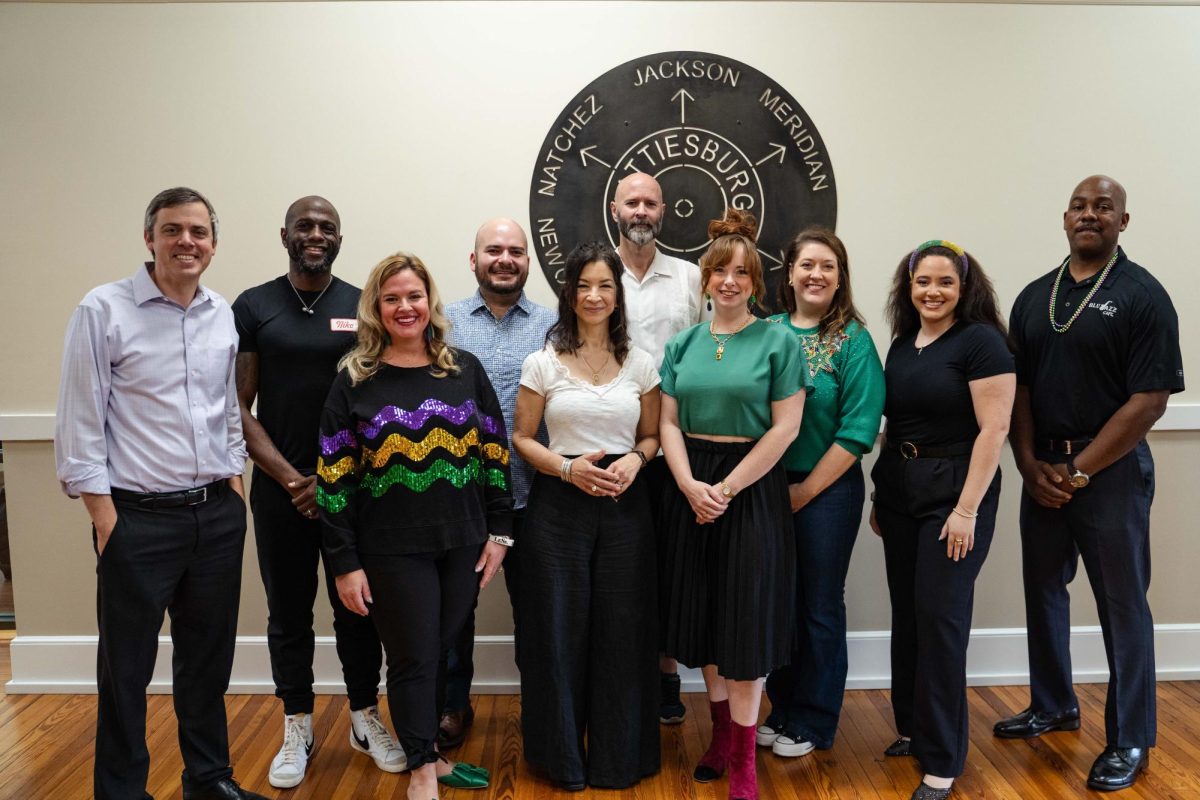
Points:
(721, 342)
(595, 372)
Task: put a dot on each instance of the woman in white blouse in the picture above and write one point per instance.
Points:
(589, 652)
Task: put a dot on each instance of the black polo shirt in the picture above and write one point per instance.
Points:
(1126, 340)
(297, 358)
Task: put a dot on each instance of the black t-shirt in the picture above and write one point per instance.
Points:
(928, 399)
(297, 358)
(1125, 341)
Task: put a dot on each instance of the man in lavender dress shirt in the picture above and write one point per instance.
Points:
(149, 434)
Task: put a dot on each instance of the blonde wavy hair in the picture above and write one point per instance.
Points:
(365, 359)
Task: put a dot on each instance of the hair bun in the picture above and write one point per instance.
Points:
(735, 223)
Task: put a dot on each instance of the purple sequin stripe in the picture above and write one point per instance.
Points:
(415, 419)
(331, 444)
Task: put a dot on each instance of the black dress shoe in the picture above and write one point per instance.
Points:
(452, 728)
(900, 747)
(926, 792)
(1117, 768)
(1030, 723)
(224, 789)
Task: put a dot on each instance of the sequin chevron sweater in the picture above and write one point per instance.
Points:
(410, 463)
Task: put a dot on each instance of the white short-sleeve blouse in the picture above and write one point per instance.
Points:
(582, 418)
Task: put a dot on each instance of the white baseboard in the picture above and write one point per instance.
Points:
(997, 656)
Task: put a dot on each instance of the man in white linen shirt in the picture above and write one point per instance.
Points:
(149, 434)
(662, 297)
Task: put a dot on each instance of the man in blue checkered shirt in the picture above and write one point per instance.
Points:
(500, 326)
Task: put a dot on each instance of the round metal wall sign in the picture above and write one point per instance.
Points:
(713, 131)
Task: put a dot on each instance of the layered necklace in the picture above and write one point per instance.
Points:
(1079, 308)
(307, 308)
(721, 341)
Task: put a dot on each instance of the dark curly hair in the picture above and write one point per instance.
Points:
(976, 302)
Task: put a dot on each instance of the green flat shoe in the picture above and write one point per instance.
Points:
(465, 776)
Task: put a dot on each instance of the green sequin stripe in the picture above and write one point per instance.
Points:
(495, 477)
(333, 503)
(421, 481)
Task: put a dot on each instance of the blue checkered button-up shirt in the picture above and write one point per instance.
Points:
(501, 345)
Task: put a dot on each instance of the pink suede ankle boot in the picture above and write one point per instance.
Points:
(743, 774)
(716, 758)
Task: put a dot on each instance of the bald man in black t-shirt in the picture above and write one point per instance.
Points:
(292, 332)
(1097, 348)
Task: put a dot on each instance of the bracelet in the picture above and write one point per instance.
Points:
(564, 470)
(641, 455)
(962, 513)
(507, 541)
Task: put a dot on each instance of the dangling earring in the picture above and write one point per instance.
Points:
(753, 299)
(707, 301)
(428, 333)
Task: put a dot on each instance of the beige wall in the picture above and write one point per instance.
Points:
(419, 120)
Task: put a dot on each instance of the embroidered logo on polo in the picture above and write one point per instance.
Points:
(1108, 308)
(714, 132)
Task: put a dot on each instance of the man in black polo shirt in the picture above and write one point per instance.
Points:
(1097, 348)
(292, 331)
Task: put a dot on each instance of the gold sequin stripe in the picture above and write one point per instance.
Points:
(413, 451)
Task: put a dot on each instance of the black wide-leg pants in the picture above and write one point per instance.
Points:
(186, 561)
(589, 681)
(932, 602)
(289, 547)
(1108, 523)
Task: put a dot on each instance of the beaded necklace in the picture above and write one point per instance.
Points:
(1062, 328)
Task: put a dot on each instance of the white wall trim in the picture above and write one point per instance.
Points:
(40, 427)
(997, 656)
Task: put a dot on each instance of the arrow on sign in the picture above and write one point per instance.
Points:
(682, 96)
(776, 150)
(778, 261)
(585, 154)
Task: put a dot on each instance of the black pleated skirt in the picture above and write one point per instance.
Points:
(728, 587)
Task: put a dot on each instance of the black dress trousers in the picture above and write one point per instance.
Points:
(186, 561)
(1108, 523)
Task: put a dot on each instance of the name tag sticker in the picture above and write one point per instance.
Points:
(336, 324)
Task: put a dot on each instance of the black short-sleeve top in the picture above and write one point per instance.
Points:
(1126, 340)
(928, 396)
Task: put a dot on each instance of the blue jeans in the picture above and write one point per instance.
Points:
(806, 695)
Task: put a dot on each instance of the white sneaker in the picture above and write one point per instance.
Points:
(287, 768)
(368, 735)
(790, 748)
(765, 735)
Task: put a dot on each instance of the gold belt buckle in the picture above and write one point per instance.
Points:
(908, 450)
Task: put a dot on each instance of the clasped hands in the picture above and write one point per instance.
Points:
(1049, 484)
(601, 482)
(706, 500)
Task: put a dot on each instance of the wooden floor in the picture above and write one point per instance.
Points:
(46, 752)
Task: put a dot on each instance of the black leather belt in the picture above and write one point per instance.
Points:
(910, 450)
(186, 497)
(1067, 447)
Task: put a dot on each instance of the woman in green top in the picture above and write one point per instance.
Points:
(732, 399)
(825, 481)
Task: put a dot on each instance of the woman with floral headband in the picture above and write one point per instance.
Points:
(413, 486)
(950, 387)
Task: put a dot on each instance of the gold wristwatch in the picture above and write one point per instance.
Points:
(727, 490)
(1078, 478)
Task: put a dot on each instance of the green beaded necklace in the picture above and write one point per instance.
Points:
(1078, 309)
